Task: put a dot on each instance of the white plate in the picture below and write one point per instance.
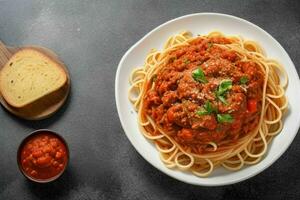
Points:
(203, 23)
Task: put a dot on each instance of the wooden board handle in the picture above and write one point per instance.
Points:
(5, 54)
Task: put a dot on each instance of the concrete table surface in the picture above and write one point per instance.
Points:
(91, 37)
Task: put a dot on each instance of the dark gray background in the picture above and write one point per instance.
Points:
(91, 37)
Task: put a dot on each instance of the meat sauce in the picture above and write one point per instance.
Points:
(178, 97)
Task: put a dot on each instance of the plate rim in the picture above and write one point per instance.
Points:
(117, 97)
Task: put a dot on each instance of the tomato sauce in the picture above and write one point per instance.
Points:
(205, 93)
(43, 156)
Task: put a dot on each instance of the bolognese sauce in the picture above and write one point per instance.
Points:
(205, 93)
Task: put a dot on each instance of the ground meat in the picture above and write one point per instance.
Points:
(205, 121)
(191, 108)
(169, 98)
(187, 87)
(177, 114)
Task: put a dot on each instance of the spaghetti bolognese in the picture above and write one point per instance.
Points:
(209, 101)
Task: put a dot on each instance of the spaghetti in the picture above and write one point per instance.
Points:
(209, 101)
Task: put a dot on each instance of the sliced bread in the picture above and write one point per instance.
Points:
(28, 76)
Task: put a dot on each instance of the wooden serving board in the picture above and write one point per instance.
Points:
(45, 106)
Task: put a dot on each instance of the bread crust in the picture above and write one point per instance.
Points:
(42, 54)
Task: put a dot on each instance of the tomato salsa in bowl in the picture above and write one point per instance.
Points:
(43, 156)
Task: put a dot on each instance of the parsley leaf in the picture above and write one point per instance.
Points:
(198, 75)
(243, 80)
(208, 106)
(222, 99)
(207, 109)
(224, 86)
(224, 118)
(202, 112)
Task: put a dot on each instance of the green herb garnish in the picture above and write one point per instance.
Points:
(243, 80)
(207, 109)
(224, 86)
(224, 118)
(202, 112)
(208, 106)
(222, 99)
(199, 75)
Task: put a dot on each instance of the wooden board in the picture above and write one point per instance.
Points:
(46, 106)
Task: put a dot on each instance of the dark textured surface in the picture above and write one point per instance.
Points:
(91, 37)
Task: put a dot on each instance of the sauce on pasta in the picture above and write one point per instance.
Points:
(194, 111)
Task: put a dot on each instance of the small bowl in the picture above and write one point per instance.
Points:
(26, 139)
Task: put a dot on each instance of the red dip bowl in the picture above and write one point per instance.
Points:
(43, 156)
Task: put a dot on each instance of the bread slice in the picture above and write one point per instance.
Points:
(28, 76)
